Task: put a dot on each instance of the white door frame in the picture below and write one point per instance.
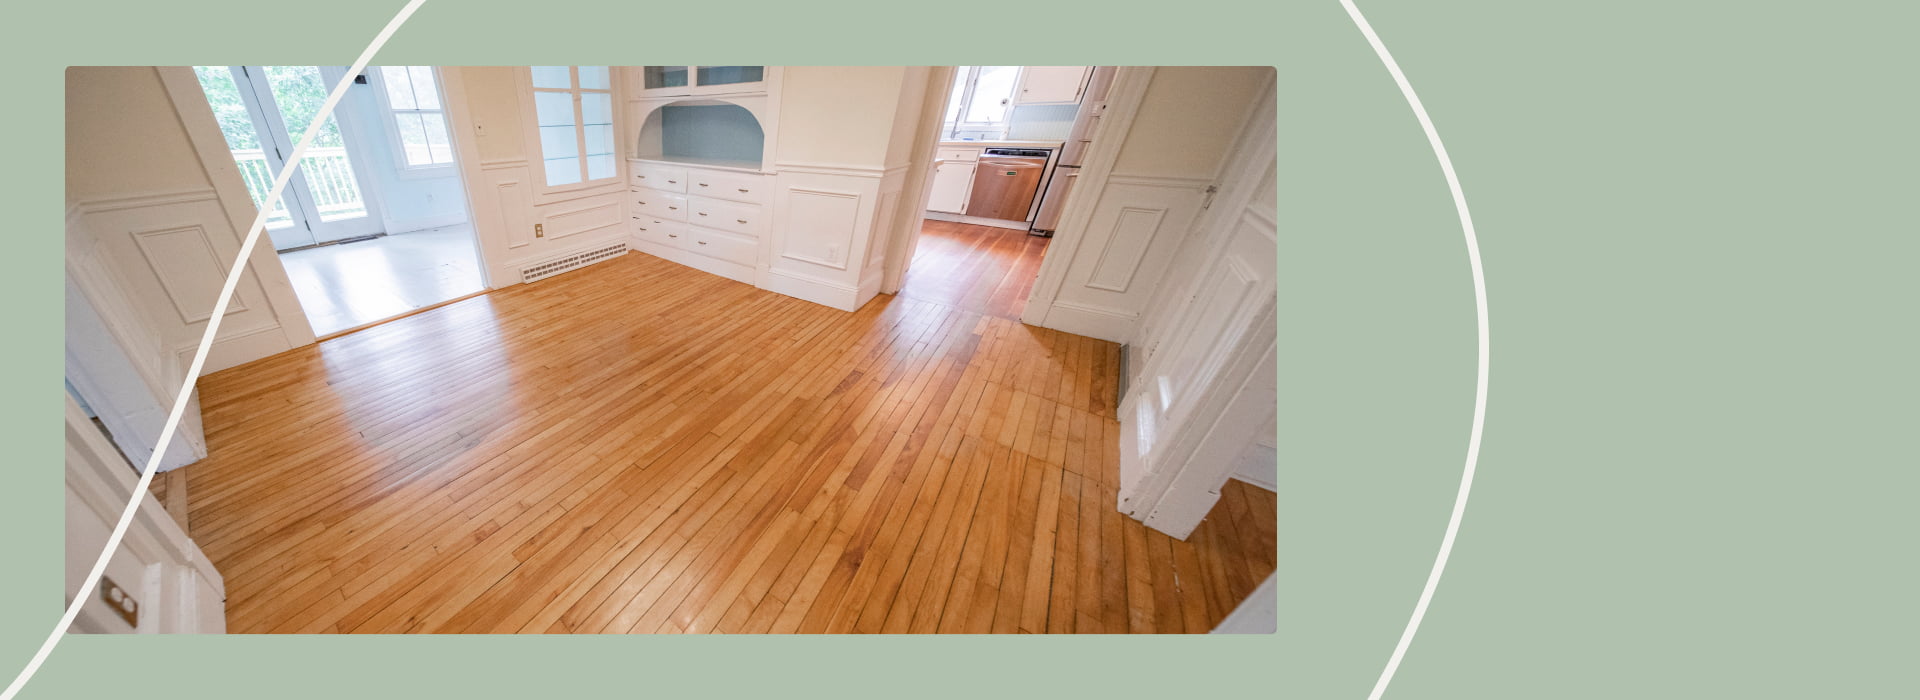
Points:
(1198, 453)
(175, 586)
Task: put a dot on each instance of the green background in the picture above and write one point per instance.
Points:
(1699, 233)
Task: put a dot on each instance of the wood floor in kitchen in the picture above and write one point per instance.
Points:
(641, 447)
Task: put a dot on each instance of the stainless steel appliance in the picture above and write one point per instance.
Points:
(1005, 181)
(1066, 171)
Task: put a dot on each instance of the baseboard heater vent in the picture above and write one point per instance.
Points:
(571, 261)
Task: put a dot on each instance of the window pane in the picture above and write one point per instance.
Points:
(665, 76)
(730, 75)
(595, 78)
(959, 88)
(563, 171)
(600, 167)
(399, 87)
(599, 139)
(596, 108)
(437, 142)
(552, 77)
(413, 139)
(423, 89)
(991, 93)
(558, 142)
(553, 108)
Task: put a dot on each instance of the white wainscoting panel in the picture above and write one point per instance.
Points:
(183, 258)
(170, 253)
(580, 216)
(819, 226)
(1137, 225)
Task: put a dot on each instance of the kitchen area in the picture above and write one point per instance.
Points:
(1012, 143)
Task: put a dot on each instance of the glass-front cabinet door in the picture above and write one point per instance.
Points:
(671, 81)
(664, 80)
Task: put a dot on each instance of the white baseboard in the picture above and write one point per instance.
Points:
(237, 349)
(713, 266)
(979, 220)
(425, 222)
(1091, 321)
(817, 291)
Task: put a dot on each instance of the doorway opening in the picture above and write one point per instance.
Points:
(1010, 144)
(375, 222)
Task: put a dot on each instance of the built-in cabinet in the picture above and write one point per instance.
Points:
(707, 218)
(681, 81)
(953, 180)
(1051, 85)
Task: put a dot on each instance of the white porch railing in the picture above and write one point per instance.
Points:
(336, 193)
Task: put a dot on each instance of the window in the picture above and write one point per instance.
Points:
(982, 98)
(420, 123)
(573, 108)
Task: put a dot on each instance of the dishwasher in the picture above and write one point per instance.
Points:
(1005, 181)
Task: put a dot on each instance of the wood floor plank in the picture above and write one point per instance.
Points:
(637, 447)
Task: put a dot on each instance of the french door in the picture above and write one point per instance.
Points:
(326, 200)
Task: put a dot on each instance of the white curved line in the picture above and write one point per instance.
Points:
(1480, 384)
(200, 355)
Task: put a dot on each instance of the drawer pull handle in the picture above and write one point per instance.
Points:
(643, 177)
(673, 182)
(743, 189)
(703, 213)
(703, 184)
(641, 203)
(673, 235)
(673, 207)
(741, 220)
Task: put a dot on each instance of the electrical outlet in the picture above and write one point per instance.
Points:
(121, 603)
(539, 231)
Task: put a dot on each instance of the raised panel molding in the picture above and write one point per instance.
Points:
(182, 258)
(588, 217)
(154, 199)
(1126, 246)
(512, 202)
(819, 226)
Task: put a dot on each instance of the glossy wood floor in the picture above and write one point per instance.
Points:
(981, 269)
(640, 447)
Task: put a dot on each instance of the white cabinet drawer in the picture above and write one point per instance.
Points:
(739, 187)
(662, 205)
(722, 245)
(660, 177)
(727, 216)
(655, 230)
(966, 154)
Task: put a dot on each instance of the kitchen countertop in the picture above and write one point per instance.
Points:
(1006, 144)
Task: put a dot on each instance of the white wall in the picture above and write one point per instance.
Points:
(408, 201)
(488, 113)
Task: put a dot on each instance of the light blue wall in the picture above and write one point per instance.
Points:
(710, 131)
(407, 204)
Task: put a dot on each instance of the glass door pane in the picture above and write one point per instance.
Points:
(243, 139)
(299, 92)
(665, 76)
(731, 75)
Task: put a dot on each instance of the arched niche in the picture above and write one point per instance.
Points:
(704, 132)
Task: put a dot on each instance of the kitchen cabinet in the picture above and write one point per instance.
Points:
(1051, 85)
(677, 81)
(952, 183)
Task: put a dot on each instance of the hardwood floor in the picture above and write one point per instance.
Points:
(640, 447)
(981, 269)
